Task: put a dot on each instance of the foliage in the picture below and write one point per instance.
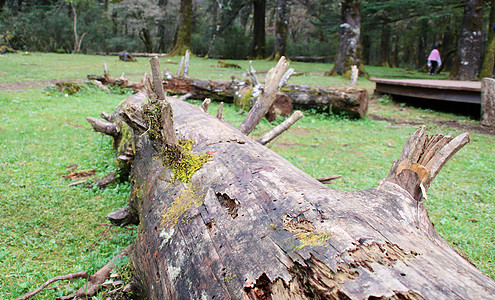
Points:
(48, 228)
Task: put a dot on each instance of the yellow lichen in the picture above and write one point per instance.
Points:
(188, 199)
(183, 163)
(312, 239)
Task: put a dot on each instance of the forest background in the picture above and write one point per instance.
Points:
(395, 33)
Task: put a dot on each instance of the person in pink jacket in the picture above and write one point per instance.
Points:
(434, 60)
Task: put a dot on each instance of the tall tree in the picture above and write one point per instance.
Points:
(467, 64)
(488, 62)
(2, 4)
(184, 34)
(259, 44)
(384, 53)
(349, 39)
(281, 29)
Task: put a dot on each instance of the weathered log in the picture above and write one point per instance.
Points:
(249, 225)
(350, 100)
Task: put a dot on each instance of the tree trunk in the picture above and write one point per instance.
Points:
(470, 41)
(489, 60)
(259, 47)
(348, 100)
(249, 225)
(145, 36)
(184, 34)
(349, 39)
(384, 52)
(281, 30)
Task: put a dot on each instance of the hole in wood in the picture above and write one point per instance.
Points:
(232, 205)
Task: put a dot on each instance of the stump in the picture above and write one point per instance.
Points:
(488, 102)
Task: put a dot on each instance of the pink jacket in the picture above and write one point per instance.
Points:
(434, 55)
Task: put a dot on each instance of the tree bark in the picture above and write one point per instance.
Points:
(384, 53)
(184, 35)
(281, 30)
(259, 44)
(489, 59)
(488, 102)
(470, 41)
(249, 225)
(349, 100)
(349, 39)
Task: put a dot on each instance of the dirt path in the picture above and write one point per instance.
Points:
(450, 123)
(21, 86)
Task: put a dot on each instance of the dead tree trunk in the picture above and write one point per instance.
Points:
(227, 218)
(249, 225)
(350, 100)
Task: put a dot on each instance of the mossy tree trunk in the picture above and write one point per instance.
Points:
(184, 34)
(258, 50)
(349, 39)
(489, 60)
(249, 225)
(467, 62)
(281, 30)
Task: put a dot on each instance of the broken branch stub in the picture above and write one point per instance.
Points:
(422, 158)
(266, 98)
(158, 111)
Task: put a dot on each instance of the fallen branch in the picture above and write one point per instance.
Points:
(77, 275)
(281, 128)
(327, 179)
(95, 281)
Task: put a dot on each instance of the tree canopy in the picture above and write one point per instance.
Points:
(393, 32)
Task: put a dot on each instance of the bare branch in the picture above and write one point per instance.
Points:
(81, 274)
(265, 100)
(281, 128)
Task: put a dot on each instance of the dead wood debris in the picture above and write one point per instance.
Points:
(92, 285)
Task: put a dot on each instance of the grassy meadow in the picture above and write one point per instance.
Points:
(49, 228)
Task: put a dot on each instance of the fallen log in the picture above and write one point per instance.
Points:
(240, 222)
(350, 100)
(249, 225)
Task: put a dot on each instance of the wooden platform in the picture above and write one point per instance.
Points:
(446, 90)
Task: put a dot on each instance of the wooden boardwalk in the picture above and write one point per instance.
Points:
(446, 90)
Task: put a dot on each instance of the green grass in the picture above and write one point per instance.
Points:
(51, 229)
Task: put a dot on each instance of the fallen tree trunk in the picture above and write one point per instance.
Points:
(249, 225)
(350, 100)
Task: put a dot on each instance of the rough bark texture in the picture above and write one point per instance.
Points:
(352, 101)
(488, 102)
(470, 42)
(249, 225)
(349, 39)
(349, 100)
